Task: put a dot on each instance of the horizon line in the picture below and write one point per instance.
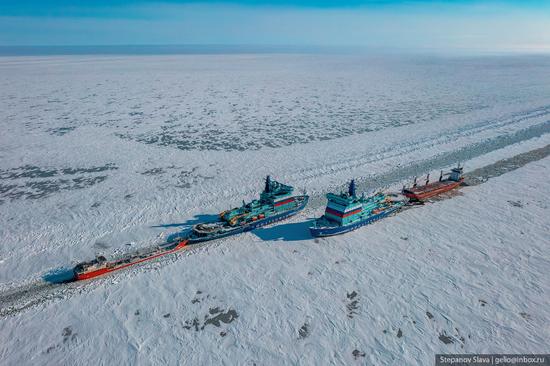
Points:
(220, 48)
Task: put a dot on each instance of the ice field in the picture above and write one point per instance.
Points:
(105, 154)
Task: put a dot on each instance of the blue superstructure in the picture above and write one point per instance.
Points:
(346, 212)
(228, 231)
(276, 203)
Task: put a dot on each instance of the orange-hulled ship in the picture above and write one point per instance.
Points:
(101, 265)
(419, 193)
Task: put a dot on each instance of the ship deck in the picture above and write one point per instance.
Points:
(430, 187)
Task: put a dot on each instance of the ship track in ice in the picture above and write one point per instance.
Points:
(19, 298)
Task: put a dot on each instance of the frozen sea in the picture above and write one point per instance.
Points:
(107, 153)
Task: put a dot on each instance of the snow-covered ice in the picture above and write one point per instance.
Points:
(469, 274)
(94, 151)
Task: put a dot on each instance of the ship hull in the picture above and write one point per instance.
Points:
(103, 271)
(431, 192)
(253, 225)
(337, 230)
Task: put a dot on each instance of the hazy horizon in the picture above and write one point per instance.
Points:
(236, 49)
(444, 26)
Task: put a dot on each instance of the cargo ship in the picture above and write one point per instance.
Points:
(276, 203)
(446, 182)
(100, 265)
(346, 212)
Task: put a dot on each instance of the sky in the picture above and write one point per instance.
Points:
(448, 25)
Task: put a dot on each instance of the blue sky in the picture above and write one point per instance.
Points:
(447, 25)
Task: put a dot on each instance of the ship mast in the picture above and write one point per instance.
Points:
(267, 188)
(351, 189)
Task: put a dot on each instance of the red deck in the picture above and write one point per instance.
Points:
(102, 271)
(429, 190)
